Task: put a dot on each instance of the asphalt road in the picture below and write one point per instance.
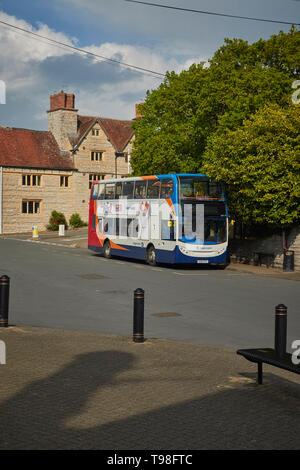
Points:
(62, 287)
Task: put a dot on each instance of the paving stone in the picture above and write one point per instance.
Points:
(77, 390)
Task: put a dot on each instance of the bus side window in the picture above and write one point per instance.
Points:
(128, 189)
(215, 189)
(153, 189)
(110, 191)
(95, 192)
(101, 192)
(140, 189)
(118, 190)
(167, 187)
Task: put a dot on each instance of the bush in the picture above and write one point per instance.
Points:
(56, 219)
(76, 221)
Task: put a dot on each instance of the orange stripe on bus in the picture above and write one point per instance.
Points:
(151, 177)
(169, 201)
(118, 247)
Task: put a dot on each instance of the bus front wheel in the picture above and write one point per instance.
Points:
(107, 250)
(151, 255)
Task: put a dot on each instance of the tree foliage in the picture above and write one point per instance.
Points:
(260, 162)
(190, 113)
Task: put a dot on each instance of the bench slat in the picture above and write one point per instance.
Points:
(269, 356)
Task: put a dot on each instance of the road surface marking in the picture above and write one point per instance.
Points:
(190, 274)
(38, 242)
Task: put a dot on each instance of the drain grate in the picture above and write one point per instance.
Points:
(93, 276)
(166, 314)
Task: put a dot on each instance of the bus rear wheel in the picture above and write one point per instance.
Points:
(151, 255)
(107, 250)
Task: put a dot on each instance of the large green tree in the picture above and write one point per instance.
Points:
(260, 162)
(186, 110)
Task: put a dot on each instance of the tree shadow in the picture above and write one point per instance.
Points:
(238, 415)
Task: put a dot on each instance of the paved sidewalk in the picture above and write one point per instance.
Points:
(264, 271)
(76, 390)
(72, 237)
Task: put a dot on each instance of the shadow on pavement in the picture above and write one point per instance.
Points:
(237, 416)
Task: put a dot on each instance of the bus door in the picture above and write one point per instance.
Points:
(154, 221)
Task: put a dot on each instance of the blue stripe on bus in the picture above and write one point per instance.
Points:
(162, 256)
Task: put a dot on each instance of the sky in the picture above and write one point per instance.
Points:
(150, 37)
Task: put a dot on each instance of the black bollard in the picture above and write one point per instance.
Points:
(4, 297)
(138, 316)
(280, 329)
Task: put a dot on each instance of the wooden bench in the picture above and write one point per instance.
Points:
(260, 255)
(269, 356)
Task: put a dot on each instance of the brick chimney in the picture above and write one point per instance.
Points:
(137, 111)
(62, 119)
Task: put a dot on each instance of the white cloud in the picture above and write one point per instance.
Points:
(22, 47)
(134, 55)
(20, 52)
(33, 69)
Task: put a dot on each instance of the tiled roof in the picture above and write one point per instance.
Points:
(119, 132)
(31, 149)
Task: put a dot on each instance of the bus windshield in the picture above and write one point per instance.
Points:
(203, 222)
(197, 187)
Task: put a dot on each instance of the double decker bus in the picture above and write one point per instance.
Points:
(174, 218)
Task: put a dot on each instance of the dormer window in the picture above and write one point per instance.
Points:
(96, 156)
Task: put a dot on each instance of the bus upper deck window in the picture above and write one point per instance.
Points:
(118, 190)
(140, 189)
(95, 192)
(153, 189)
(128, 189)
(167, 187)
(110, 191)
(193, 188)
(215, 189)
(101, 192)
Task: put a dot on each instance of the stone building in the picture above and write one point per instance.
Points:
(42, 171)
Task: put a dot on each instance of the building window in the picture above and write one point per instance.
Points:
(31, 180)
(95, 132)
(64, 181)
(30, 207)
(96, 156)
(94, 178)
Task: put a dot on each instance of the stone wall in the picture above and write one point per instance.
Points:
(242, 251)
(100, 143)
(69, 200)
(63, 123)
(49, 194)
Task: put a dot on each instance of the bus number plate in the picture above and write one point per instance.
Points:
(202, 261)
